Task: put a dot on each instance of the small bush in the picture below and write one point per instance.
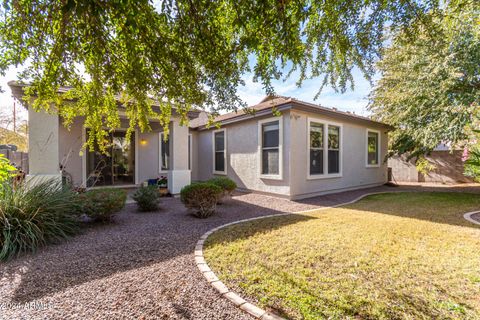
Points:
(227, 184)
(34, 215)
(102, 204)
(201, 197)
(6, 169)
(147, 198)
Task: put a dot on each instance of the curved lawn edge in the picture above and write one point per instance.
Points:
(236, 299)
(469, 217)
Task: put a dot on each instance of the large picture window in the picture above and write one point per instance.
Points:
(316, 148)
(219, 159)
(270, 132)
(333, 149)
(164, 153)
(372, 148)
(324, 149)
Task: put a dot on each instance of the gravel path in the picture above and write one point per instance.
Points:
(140, 267)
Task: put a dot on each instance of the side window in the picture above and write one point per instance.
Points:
(219, 151)
(164, 152)
(270, 148)
(333, 149)
(372, 148)
(316, 148)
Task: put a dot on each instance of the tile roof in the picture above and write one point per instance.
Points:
(280, 101)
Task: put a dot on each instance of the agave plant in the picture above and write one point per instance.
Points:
(34, 215)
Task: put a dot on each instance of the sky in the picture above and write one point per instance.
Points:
(252, 93)
(352, 100)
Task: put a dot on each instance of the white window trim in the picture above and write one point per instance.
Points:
(278, 176)
(325, 174)
(378, 148)
(160, 160)
(190, 138)
(224, 130)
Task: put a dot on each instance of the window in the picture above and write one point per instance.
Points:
(190, 152)
(324, 149)
(117, 167)
(270, 135)
(333, 149)
(164, 152)
(373, 138)
(316, 148)
(219, 154)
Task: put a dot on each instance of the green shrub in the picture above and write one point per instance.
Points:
(147, 198)
(34, 215)
(472, 162)
(102, 204)
(6, 169)
(227, 184)
(202, 197)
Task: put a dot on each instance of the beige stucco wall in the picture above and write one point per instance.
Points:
(70, 146)
(243, 157)
(43, 140)
(242, 161)
(355, 173)
(195, 156)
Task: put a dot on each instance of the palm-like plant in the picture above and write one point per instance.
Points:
(34, 215)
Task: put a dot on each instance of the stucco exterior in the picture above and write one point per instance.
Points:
(354, 171)
(191, 150)
(243, 157)
(53, 145)
(243, 165)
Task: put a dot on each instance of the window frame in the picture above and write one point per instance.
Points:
(160, 150)
(260, 124)
(84, 155)
(190, 149)
(378, 148)
(224, 130)
(325, 174)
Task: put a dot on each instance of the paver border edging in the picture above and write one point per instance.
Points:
(237, 300)
(468, 216)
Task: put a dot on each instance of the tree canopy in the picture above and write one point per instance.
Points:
(430, 84)
(184, 53)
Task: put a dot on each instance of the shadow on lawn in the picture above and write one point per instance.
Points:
(134, 240)
(440, 202)
(437, 207)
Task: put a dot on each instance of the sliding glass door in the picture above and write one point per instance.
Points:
(117, 167)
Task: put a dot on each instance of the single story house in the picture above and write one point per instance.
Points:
(297, 151)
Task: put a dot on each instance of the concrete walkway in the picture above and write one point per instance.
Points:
(142, 266)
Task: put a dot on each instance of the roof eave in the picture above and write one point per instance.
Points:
(298, 105)
(17, 92)
(247, 116)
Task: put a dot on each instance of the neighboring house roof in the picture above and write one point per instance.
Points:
(17, 91)
(282, 103)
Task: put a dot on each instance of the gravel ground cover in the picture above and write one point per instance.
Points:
(140, 267)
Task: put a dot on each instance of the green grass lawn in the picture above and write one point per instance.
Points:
(388, 256)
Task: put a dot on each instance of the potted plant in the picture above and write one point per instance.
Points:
(162, 186)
